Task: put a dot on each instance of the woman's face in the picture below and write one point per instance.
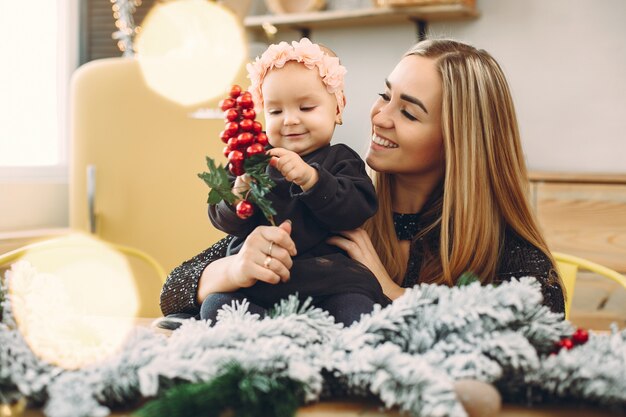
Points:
(406, 122)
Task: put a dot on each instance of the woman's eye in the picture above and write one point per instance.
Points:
(409, 116)
(384, 96)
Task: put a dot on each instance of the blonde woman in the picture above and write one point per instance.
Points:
(451, 181)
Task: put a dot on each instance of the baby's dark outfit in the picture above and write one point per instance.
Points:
(342, 199)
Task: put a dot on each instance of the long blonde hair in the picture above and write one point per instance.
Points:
(485, 186)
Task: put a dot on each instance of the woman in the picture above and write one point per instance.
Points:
(451, 182)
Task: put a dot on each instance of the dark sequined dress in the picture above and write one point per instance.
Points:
(518, 259)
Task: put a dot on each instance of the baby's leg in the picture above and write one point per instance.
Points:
(214, 302)
(347, 308)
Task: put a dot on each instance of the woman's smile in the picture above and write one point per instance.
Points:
(382, 142)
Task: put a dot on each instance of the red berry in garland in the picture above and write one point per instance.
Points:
(246, 124)
(231, 115)
(244, 209)
(254, 149)
(236, 169)
(224, 136)
(580, 336)
(227, 103)
(235, 157)
(232, 128)
(245, 101)
(233, 144)
(262, 139)
(248, 114)
(566, 343)
(235, 91)
(245, 139)
(257, 127)
(226, 150)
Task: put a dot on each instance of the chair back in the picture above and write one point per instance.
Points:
(98, 278)
(568, 266)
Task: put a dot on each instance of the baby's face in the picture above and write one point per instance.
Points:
(300, 114)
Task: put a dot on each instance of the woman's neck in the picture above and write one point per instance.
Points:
(410, 193)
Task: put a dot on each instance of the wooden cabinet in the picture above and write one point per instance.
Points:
(585, 215)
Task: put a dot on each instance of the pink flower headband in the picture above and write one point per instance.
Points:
(310, 54)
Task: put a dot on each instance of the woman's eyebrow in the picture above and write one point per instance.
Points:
(408, 98)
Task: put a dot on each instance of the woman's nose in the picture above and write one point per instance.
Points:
(380, 116)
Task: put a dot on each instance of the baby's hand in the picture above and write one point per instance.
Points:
(241, 186)
(293, 168)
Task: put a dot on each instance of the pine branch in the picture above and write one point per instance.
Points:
(245, 393)
(217, 179)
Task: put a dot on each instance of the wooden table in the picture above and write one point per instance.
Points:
(363, 409)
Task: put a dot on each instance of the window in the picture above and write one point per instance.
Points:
(34, 83)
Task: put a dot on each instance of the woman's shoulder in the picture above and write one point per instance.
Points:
(520, 258)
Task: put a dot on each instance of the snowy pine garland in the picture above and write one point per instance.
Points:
(408, 354)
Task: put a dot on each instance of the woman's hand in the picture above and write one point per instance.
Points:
(264, 256)
(359, 247)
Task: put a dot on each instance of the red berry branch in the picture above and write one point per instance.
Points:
(579, 337)
(245, 150)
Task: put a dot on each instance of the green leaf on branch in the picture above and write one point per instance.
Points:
(467, 278)
(257, 197)
(217, 179)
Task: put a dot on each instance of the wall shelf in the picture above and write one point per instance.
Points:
(372, 15)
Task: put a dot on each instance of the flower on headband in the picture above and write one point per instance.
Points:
(306, 52)
(277, 55)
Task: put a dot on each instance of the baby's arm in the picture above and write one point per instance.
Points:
(342, 196)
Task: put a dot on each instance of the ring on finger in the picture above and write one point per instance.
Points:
(268, 261)
(269, 251)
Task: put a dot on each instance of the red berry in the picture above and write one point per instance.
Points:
(232, 128)
(244, 209)
(580, 336)
(236, 169)
(231, 115)
(227, 103)
(226, 150)
(233, 143)
(245, 139)
(235, 157)
(245, 101)
(235, 90)
(262, 139)
(224, 136)
(248, 114)
(257, 127)
(254, 149)
(246, 124)
(566, 343)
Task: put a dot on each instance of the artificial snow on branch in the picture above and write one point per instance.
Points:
(408, 354)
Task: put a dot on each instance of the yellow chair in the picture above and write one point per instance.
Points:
(568, 266)
(100, 277)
